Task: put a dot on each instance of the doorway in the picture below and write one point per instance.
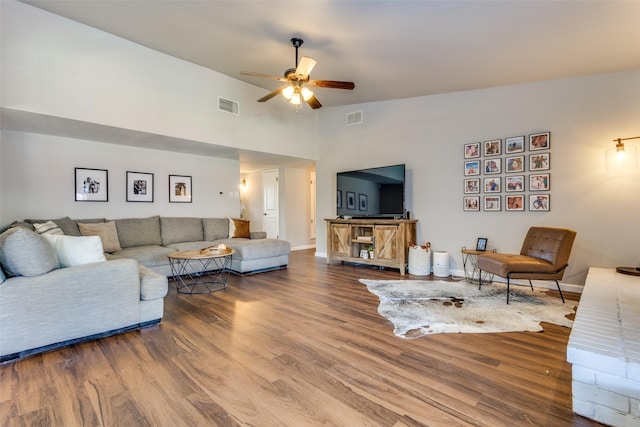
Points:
(270, 211)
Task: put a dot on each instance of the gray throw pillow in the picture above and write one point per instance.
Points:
(25, 253)
(215, 228)
(180, 229)
(139, 231)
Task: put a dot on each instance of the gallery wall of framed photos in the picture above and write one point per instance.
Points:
(508, 175)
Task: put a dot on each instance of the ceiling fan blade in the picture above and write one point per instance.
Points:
(264, 76)
(304, 67)
(331, 84)
(272, 94)
(314, 103)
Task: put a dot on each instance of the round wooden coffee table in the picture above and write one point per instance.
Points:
(199, 271)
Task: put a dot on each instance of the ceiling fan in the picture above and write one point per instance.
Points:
(297, 78)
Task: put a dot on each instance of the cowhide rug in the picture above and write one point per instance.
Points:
(421, 307)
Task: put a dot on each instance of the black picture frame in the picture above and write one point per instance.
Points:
(180, 189)
(481, 245)
(91, 185)
(140, 187)
(339, 199)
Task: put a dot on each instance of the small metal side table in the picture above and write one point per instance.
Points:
(201, 272)
(470, 265)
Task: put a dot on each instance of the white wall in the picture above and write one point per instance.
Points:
(37, 179)
(428, 133)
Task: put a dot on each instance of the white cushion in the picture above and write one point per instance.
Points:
(75, 250)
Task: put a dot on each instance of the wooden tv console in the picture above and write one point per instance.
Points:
(390, 238)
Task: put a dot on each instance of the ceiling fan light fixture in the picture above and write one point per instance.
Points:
(295, 98)
(306, 93)
(287, 92)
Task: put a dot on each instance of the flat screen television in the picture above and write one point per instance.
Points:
(372, 193)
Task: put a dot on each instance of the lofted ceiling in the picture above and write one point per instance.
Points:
(390, 49)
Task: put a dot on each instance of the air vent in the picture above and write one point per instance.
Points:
(228, 106)
(354, 118)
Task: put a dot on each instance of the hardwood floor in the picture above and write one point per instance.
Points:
(303, 346)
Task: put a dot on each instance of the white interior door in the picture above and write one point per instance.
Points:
(312, 207)
(270, 212)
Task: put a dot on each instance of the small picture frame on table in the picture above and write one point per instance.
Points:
(540, 141)
(180, 190)
(139, 187)
(472, 203)
(482, 244)
(91, 185)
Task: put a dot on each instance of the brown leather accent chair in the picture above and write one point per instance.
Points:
(544, 256)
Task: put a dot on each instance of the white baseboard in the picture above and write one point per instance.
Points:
(303, 247)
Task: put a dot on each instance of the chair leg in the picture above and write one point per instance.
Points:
(508, 289)
(560, 290)
(530, 284)
(480, 280)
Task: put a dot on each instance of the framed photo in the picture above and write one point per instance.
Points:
(515, 144)
(351, 200)
(339, 199)
(539, 202)
(472, 186)
(139, 187)
(540, 182)
(472, 167)
(362, 202)
(472, 150)
(493, 147)
(482, 244)
(515, 203)
(472, 203)
(179, 189)
(492, 185)
(539, 162)
(514, 164)
(492, 166)
(540, 141)
(492, 203)
(91, 185)
(514, 183)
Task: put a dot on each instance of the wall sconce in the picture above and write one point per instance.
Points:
(621, 157)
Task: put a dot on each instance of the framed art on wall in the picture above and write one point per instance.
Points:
(139, 187)
(514, 164)
(515, 144)
(492, 166)
(539, 202)
(180, 189)
(492, 203)
(539, 182)
(539, 162)
(515, 203)
(472, 203)
(362, 202)
(91, 185)
(492, 185)
(472, 150)
(514, 183)
(472, 186)
(493, 147)
(339, 199)
(539, 141)
(472, 167)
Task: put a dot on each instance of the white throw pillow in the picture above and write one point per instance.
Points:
(76, 250)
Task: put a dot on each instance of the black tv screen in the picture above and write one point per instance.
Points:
(373, 192)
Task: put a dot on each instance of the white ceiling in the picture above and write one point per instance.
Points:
(390, 49)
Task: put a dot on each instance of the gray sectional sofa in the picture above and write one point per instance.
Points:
(44, 304)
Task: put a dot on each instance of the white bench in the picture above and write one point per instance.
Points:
(604, 349)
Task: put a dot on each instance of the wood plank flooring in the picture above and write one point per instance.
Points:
(303, 346)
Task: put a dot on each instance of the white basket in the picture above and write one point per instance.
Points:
(419, 261)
